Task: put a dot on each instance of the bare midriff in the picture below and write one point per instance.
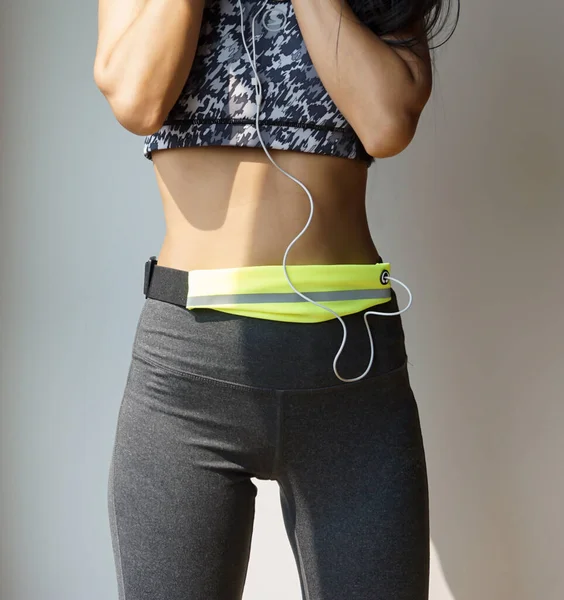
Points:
(231, 207)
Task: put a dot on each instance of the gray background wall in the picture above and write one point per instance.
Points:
(471, 217)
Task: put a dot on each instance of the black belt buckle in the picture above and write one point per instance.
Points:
(149, 268)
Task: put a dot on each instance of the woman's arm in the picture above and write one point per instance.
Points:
(380, 90)
(144, 55)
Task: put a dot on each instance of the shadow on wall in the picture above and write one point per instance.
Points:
(486, 333)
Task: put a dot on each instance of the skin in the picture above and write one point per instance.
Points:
(231, 207)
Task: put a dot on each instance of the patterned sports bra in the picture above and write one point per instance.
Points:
(217, 104)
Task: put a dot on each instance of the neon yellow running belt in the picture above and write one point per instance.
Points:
(263, 292)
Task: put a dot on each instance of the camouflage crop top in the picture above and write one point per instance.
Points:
(217, 104)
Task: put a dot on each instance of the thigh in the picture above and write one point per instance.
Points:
(354, 491)
(181, 515)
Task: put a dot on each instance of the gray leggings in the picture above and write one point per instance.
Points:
(213, 399)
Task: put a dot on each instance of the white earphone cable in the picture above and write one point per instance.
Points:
(259, 101)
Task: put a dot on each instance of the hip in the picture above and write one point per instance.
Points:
(270, 353)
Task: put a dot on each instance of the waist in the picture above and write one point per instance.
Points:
(299, 294)
(216, 251)
(227, 207)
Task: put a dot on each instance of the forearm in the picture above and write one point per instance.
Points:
(373, 87)
(148, 67)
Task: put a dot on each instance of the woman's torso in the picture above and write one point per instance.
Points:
(231, 207)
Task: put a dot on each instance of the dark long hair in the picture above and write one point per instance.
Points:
(386, 17)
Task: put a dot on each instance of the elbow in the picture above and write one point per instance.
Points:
(391, 136)
(133, 111)
(136, 116)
